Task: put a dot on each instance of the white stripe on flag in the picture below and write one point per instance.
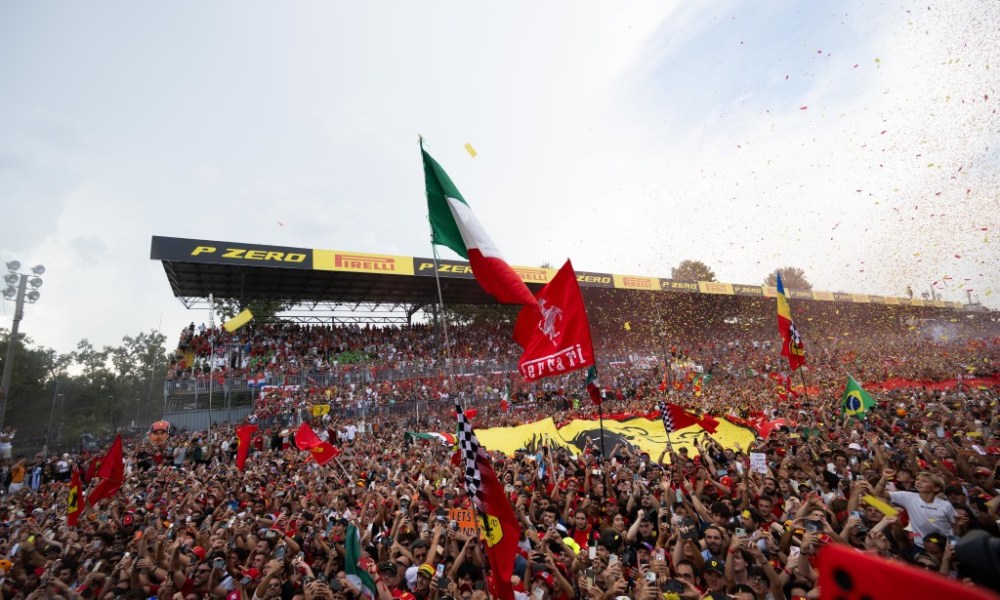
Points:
(472, 231)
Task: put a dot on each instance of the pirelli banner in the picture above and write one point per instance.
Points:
(286, 257)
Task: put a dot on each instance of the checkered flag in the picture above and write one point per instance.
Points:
(668, 419)
(498, 524)
(469, 452)
(677, 417)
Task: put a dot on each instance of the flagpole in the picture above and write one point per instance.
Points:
(211, 359)
(437, 281)
(805, 390)
(600, 412)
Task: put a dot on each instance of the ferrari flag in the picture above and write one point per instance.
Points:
(306, 439)
(497, 521)
(554, 331)
(244, 433)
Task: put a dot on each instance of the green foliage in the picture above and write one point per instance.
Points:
(89, 390)
(793, 278)
(263, 309)
(692, 270)
(352, 357)
(494, 315)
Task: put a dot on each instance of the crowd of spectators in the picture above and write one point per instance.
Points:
(188, 524)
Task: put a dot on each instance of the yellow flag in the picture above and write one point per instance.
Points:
(238, 321)
(628, 326)
(472, 151)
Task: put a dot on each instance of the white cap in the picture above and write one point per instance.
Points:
(854, 446)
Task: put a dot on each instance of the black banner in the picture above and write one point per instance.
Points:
(228, 253)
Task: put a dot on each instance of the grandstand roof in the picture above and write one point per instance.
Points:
(197, 268)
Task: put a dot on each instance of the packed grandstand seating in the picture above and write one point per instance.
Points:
(912, 482)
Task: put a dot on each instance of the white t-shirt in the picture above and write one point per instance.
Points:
(925, 518)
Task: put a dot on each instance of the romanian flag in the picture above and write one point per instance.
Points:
(792, 347)
(74, 502)
(306, 439)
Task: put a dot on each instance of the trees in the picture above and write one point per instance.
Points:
(89, 390)
(793, 278)
(263, 309)
(692, 270)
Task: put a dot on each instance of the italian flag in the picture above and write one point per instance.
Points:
(453, 224)
(445, 439)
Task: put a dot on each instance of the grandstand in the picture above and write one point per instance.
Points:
(629, 313)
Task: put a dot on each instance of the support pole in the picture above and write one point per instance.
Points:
(8, 363)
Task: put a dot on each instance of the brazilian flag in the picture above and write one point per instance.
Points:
(856, 400)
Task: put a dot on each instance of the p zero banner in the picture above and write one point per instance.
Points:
(184, 250)
(637, 432)
(229, 253)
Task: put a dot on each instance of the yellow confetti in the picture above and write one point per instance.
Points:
(472, 151)
(628, 326)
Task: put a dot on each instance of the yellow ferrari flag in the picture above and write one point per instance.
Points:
(238, 321)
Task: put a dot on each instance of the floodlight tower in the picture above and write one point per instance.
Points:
(17, 290)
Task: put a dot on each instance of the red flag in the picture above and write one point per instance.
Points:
(74, 503)
(847, 573)
(472, 412)
(497, 521)
(306, 439)
(243, 434)
(554, 332)
(110, 475)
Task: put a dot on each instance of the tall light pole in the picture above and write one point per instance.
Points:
(17, 285)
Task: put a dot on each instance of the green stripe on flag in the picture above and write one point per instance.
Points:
(353, 551)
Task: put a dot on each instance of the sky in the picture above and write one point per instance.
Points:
(855, 140)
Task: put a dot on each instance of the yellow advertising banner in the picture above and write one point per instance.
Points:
(860, 298)
(534, 274)
(637, 282)
(769, 292)
(891, 300)
(824, 296)
(359, 262)
(645, 434)
(712, 287)
(917, 302)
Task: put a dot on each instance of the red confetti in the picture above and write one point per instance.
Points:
(958, 256)
(803, 107)
(855, 66)
(883, 131)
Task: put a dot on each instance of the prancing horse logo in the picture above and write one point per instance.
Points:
(547, 324)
